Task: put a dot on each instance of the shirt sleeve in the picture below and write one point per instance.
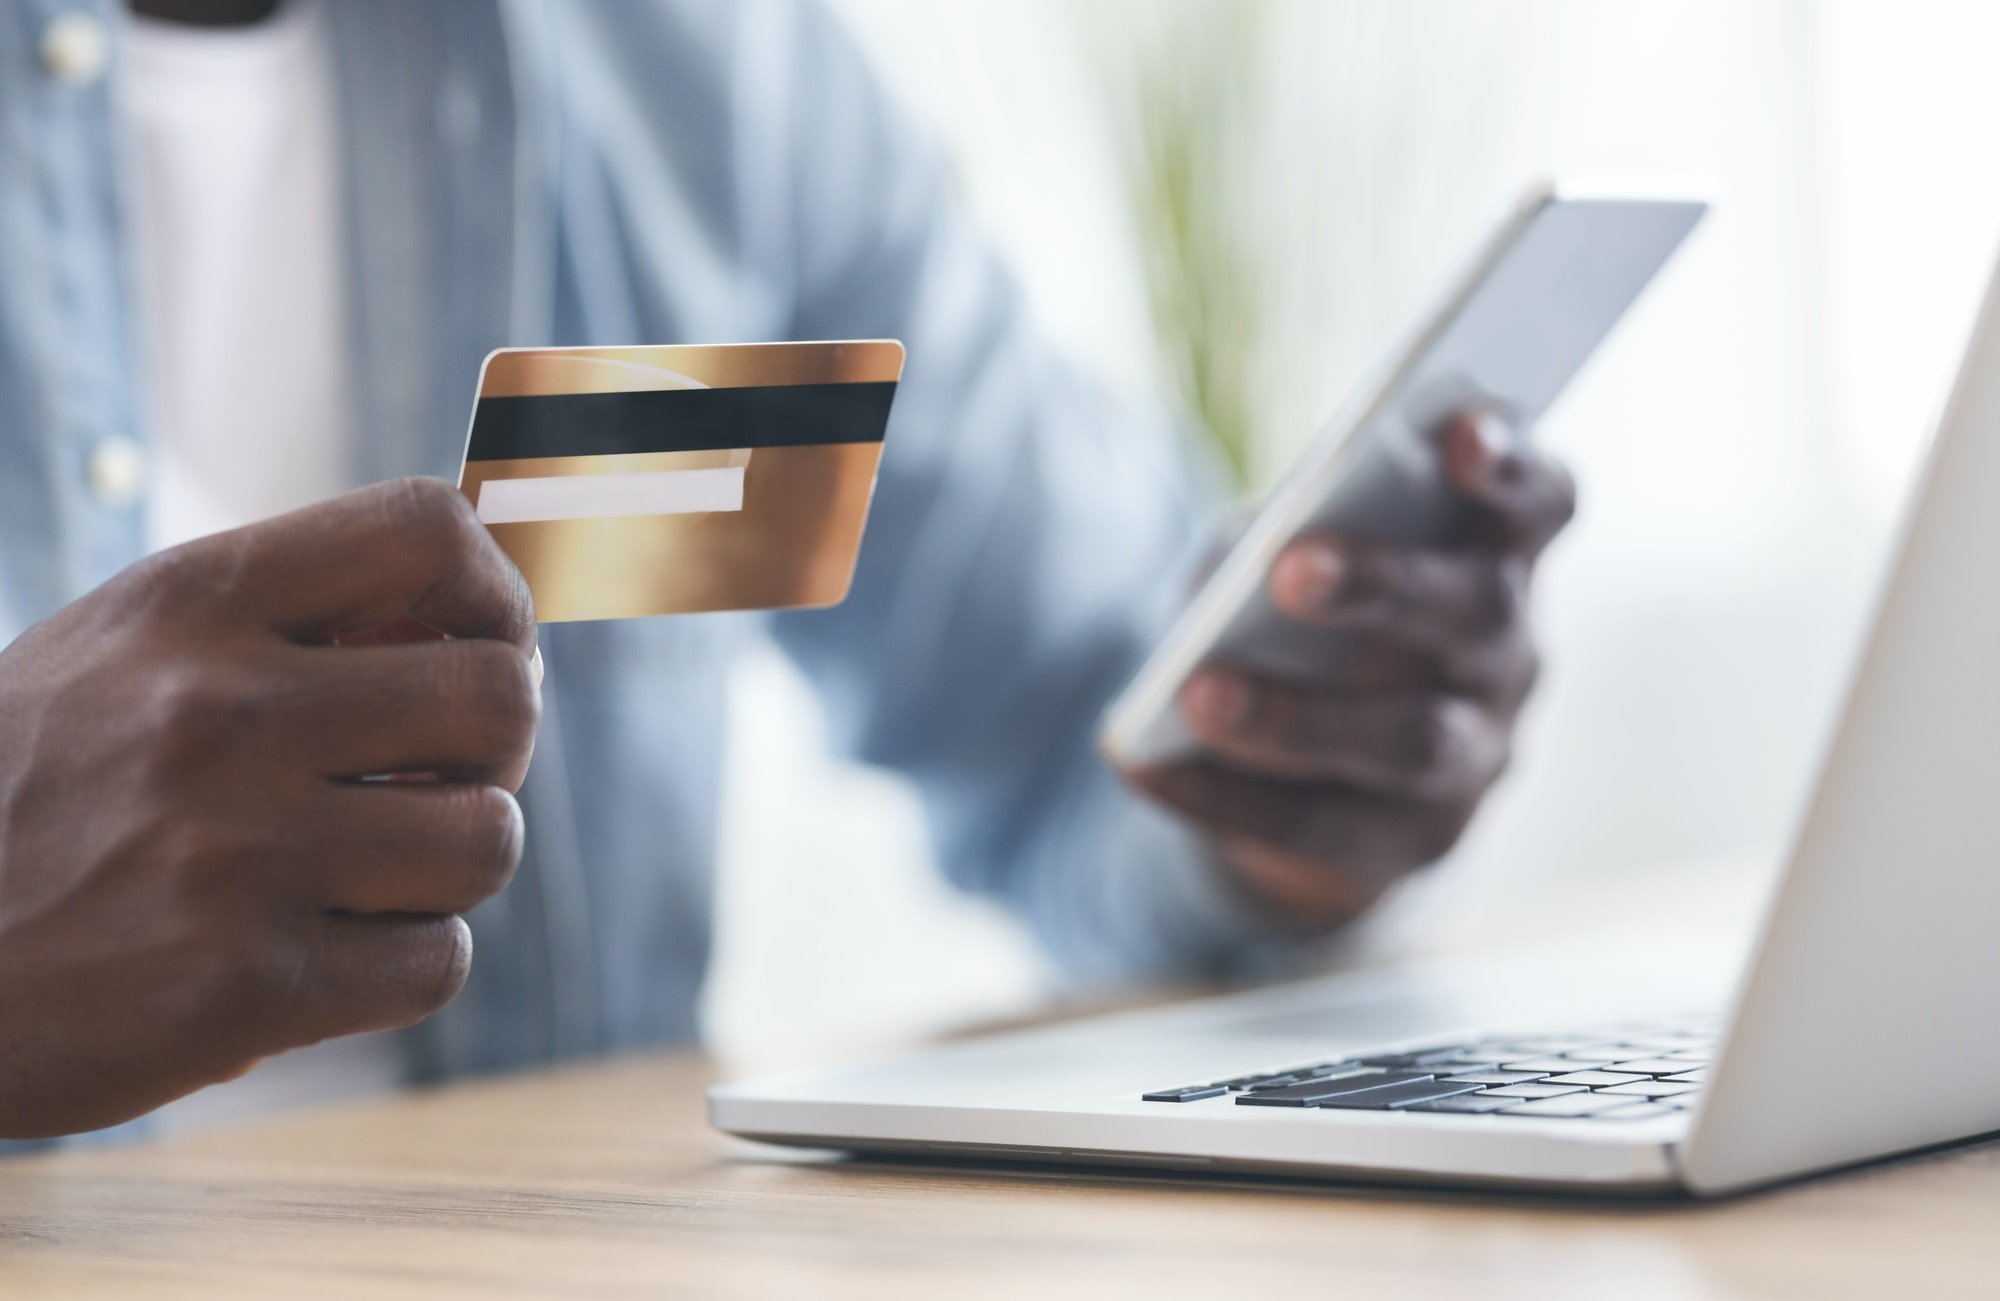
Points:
(1026, 548)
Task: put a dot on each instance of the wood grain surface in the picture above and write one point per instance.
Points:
(603, 1180)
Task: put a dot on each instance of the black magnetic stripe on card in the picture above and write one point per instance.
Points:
(678, 420)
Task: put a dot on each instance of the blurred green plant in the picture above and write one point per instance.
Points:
(1183, 82)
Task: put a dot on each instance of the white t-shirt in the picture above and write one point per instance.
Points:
(236, 223)
(236, 217)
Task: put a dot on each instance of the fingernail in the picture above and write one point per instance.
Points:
(535, 665)
(1499, 448)
(1309, 577)
(1221, 699)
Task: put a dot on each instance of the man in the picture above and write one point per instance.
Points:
(248, 259)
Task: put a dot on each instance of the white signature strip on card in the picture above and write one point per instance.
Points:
(608, 496)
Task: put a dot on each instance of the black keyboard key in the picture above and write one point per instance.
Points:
(1465, 1104)
(1396, 1095)
(1483, 1076)
(1650, 1088)
(1576, 1104)
(1317, 1091)
(1596, 1079)
(1341, 1072)
(1293, 1096)
(1640, 1059)
(1534, 1090)
(1653, 1066)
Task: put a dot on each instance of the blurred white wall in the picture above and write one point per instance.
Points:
(1741, 445)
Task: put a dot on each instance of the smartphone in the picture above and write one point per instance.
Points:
(1507, 333)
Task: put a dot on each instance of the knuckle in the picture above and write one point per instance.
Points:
(495, 838)
(1431, 838)
(198, 715)
(1511, 592)
(426, 498)
(168, 581)
(416, 965)
(434, 512)
(498, 688)
(1425, 738)
(209, 861)
(207, 576)
(437, 960)
(1562, 494)
(1434, 741)
(520, 599)
(172, 570)
(1526, 677)
(1498, 598)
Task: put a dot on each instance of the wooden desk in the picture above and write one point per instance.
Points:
(604, 1180)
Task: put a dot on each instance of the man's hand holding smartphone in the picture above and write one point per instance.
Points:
(1319, 793)
(1381, 587)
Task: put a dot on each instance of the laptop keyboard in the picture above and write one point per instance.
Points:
(1627, 1072)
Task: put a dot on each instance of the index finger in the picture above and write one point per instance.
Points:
(1526, 492)
(409, 549)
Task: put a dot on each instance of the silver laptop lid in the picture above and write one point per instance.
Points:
(1882, 946)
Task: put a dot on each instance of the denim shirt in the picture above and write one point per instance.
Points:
(547, 172)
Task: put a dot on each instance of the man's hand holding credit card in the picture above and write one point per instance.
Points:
(680, 479)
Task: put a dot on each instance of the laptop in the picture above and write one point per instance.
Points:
(1866, 1022)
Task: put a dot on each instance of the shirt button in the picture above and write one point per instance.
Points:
(117, 472)
(75, 48)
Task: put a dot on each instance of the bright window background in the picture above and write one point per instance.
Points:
(1742, 445)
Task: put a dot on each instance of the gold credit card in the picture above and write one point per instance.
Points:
(679, 479)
